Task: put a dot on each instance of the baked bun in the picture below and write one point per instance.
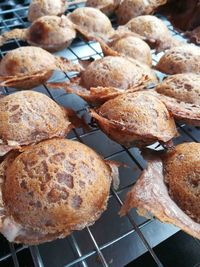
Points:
(128, 45)
(91, 22)
(171, 186)
(40, 8)
(52, 33)
(27, 67)
(180, 59)
(135, 119)
(52, 189)
(28, 117)
(107, 77)
(153, 30)
(106, 6)
(129, 9)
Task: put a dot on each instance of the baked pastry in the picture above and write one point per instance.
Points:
(28, 117)
(107, 77)
(153, 30)
(181, 95)
(129, 9)
(91, 23)
(106, 6)
(52, 189)
(127, 44)
(30, 66)
(180, 59)
(40, 8)
(135, 119)
(52, 33)
(169, 189)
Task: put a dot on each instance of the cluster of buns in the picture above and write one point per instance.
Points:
(51, 186)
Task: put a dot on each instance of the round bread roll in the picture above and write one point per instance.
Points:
(40, 8)
(91, 22)
(153, 30)
(128, 45)
(135, 119)
(182, 173)
(129, 9)
(116, 72)
(30, 66)
(28, 117)
(106, 6)
(180, 59)
(171, 186)
(52, 33)
(52, 189)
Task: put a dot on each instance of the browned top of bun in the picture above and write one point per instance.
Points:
(40, 8)
(179, 203)
(56, 186)
(180, 59)
(106, 6)
(129, 9)
(115, 71)
(182, 175)
(27, 117)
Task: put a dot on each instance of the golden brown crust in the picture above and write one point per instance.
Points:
(55, 187)
(106, 6)
(136, 118)
(91, 22)
(25, 64)
(129, 9)
(153, 30)
(128, 45)
(150, 193)
(40, 8)
(180, 59)
(28, 117)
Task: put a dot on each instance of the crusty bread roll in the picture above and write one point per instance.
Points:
(135, 119)
(153, 30)
(52, 189)
(29, 66)
(180, 59)
(107, 77)
(129, 9)
(51, 33)
(106, 6)
(28, 117)
(129, 45)
(181, 95)
(40, 8)
(169, 188)
(91, 22)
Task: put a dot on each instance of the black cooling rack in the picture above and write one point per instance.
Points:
(111, 241)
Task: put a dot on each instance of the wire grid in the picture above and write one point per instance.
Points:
(17, 17)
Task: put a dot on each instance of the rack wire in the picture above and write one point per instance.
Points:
(92, 246)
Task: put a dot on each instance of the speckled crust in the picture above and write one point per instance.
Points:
(108, 77)
(106, 6)
(194, 35)
(27, 67)
(129, 9)
(136, 118)
(53, 188)
(128, 45)
(91, 22)
(40, 8)
(180, 59)
(28, 117)
(176, 203)
(153, 30)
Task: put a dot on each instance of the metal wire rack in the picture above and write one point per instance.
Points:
(112, 241)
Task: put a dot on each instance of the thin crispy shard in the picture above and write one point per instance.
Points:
(16, 33)
(150, 194)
